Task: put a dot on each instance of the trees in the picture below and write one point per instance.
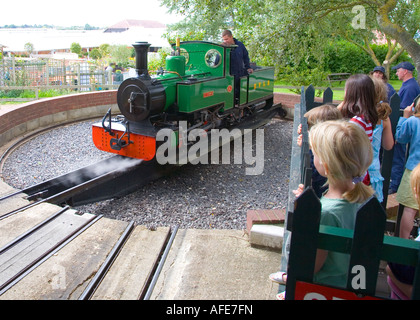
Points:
(121, 55)
(397, 20)
(403, 27)
(76, 48)
(95, 54)
(29, 48)
(117, 54)
(293, 32)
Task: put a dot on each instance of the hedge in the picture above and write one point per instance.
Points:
(345, 57)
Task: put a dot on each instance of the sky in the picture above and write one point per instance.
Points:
(80, 12)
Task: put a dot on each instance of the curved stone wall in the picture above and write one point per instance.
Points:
(16, 120)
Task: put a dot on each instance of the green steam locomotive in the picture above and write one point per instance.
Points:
(196, 87)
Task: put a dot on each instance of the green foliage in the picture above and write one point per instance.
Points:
(95, 54)
(304, 77)
(344, 57)
(159, 60)
(76, 48)
(104, 49)
(121, 55)
(53, 93)
(29, 47)
(9, 94)
(297, 35)
(48, 26)
(89, 27)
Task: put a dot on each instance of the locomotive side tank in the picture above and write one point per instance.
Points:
(196, 87)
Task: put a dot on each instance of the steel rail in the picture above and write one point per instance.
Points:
(22, 208)
(158, 270)
(124, 175)
(99, 276)
(34, 134)
(63, 182)
(32, 230)
(46, 255)
(65, 187)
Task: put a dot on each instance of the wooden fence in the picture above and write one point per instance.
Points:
(297, 247)
(366, 244)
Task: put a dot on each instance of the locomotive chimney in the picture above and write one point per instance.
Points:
(141, 58)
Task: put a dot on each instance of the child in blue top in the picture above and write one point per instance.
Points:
(402, 276)
(382, 137)
(408, 131)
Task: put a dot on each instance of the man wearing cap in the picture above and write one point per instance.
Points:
(379, 72)
(410, 89)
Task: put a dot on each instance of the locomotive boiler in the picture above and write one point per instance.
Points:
(196, 88)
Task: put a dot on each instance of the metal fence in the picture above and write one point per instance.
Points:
(49, 72)
(24, 79)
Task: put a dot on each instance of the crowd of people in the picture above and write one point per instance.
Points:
(344, 177)
(345, 144)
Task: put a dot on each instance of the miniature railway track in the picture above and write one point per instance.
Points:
(25, 253)
(112, 177)
(147, 288)
(33, 135)
(27, 250)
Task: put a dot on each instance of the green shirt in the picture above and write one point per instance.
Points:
(342, 214)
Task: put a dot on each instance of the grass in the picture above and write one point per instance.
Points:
(11, 102)
(337, 87)
(23, 96)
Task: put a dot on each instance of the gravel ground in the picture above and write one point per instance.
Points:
(195, 196)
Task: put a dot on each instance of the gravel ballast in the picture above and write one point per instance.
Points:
(195, 196)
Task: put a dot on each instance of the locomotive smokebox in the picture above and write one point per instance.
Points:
(142, 48)
(139, 98)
